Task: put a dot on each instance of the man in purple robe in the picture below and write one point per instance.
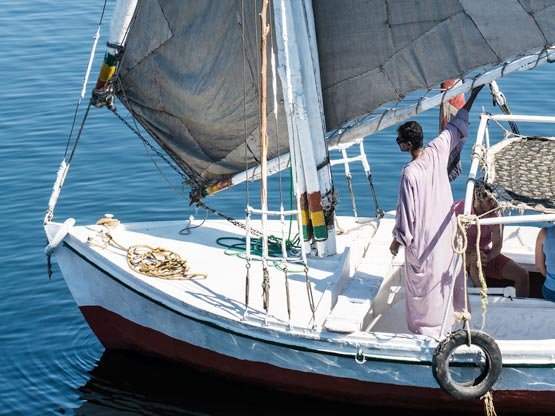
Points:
(424, 224)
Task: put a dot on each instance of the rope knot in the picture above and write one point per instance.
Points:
(463, 315)
(460, 241)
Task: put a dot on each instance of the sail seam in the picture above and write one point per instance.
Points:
(157, 48)
(533, 16)
(463, 11)
(361, 74)
(480, 32)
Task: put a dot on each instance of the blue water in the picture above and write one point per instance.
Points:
(50, 362)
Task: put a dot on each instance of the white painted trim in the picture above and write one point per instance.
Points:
(521, 118)
(518, 219)
(475, 165)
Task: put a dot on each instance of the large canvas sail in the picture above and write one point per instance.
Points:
(375, 52)
(189, 75)
(189, 72)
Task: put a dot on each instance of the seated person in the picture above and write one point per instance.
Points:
(495, 265)
(545, 260)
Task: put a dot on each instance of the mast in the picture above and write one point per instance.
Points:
(264, 153)
(300, 74)
(119, 25)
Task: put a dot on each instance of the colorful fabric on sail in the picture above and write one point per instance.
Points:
(446, 112)
(424, 226)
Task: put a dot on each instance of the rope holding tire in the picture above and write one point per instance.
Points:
(478, 386)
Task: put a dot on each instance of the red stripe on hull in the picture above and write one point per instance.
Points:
(118, 333)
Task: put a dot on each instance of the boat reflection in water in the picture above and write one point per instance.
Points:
(125, 383)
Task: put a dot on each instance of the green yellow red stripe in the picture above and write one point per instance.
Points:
(317, 218)
(107, 70)
(319, 227)
(305, 218)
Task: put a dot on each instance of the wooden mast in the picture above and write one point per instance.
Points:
(263, 135)
(300, 75)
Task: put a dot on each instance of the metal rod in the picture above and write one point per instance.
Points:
(517, 219)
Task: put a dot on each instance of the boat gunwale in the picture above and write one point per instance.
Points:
(363, 345)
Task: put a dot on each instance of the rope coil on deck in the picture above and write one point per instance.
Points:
(159, 262)
(150, 261)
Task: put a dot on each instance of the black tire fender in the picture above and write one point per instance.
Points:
(476, 387)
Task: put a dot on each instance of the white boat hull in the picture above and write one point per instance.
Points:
(376, 369)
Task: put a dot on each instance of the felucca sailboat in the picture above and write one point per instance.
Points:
(237, 90)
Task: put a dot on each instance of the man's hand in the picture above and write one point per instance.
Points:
(475, 91)
(394, 247)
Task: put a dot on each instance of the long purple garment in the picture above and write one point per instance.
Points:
(424, 226)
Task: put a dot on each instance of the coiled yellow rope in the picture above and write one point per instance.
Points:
(159, 262)
(150, 261)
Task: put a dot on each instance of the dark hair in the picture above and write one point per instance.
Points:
(411, 132)
(484, 190)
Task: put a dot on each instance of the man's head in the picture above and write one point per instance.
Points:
(484, 198)
(410, 136)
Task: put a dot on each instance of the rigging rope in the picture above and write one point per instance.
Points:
(460, 245)
(86, 78)
(64, 166)
(62, 174)
(488, 404)
(147, 143)
(501, 101)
